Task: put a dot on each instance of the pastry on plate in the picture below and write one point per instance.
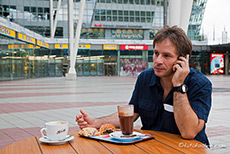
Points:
(107, 129)
(88, 132)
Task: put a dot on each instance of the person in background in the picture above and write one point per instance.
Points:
(170, 97)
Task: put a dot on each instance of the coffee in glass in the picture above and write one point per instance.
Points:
(126, 114)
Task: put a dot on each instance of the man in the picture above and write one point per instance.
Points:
(169, 97)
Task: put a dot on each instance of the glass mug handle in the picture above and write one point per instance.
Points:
(42, 130)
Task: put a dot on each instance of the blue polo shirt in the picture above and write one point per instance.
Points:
(155, 113)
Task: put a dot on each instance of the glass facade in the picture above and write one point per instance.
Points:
(133, 21)
(196, 18)
(20, 60)
(107, 14)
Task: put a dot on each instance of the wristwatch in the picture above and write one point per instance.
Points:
(182, 88)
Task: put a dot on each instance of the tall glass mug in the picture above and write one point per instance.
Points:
(126, 114)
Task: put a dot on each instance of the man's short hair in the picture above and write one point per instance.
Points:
(178, 38)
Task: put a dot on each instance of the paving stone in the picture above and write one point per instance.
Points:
(25, 105)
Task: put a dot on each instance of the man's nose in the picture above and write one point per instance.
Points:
(158, 59)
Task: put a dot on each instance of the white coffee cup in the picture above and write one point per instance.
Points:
(55, 130)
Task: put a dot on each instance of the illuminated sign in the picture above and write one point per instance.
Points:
(97, 25)
(127, 34)
(26, 38)
(22, 46)
(42, 44)
(217, 63)
(110, 47)
(7, 32)
(133, 47)
(84, 46)
(61, 46)
(65, 46)
(118, 26)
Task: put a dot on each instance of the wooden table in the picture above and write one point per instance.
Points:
(163, 143)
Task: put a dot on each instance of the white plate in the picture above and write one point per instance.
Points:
(68, 138)
(118, 135)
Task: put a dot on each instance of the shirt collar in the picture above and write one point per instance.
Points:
(154, 80)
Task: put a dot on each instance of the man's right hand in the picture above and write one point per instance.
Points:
(85, 120)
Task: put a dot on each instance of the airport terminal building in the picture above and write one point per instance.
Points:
(116, 38)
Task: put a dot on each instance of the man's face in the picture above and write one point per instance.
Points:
(164, 57)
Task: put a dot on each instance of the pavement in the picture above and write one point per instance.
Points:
(25, 105)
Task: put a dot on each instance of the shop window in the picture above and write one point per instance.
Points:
(143, 19)
(137, 19)
(40, 10)
(147, 2)
(131, 13)
(120, 12)
(162, 3)
(137, 13)
(46, 10)
(148, 19)
(131, 1)
(34, 10)
(137, 2)
(114, 18)
(97, 12)
(102, 18)
(132, 65)
(114, 12)
(108, 12)
(229, 64)
(102, 12)
(131, 19)
(148, 13)
(97, 18)
(108, 18)
(13, 7)
(142, 13)
(158, 2)
(4, 10)
(47, 13)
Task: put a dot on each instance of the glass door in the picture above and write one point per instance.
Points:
(110, 69)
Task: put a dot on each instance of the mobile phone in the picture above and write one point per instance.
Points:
(181, 56)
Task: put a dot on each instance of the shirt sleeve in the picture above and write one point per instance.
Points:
(200, 97)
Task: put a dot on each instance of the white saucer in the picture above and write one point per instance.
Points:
(45, 140)
(118, 135)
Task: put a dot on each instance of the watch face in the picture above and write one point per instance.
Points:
(184, 88)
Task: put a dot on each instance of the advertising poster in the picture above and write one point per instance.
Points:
(217, 63)
(132, 66)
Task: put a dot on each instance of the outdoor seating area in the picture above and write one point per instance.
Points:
(27, 104)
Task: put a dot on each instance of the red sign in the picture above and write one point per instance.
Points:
(133, 47)
(97, 25)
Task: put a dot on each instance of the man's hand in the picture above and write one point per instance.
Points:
(85, 120)
(181, 69)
